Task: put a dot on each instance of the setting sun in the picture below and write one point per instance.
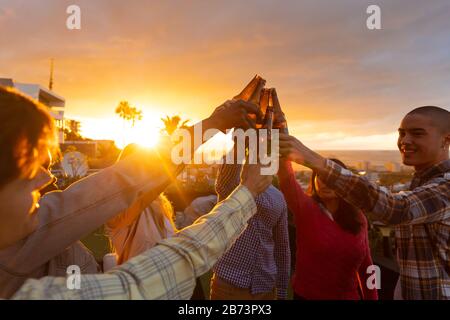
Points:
(145, 133)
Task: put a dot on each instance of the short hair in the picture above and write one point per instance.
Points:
(439, 116)
(27, 134)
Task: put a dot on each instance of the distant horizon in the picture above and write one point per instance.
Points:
(317, 150)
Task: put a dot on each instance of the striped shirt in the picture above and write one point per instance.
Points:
(421, 218)
(260, 258)
(168, 270)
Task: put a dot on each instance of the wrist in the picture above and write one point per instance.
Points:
(318, 162)
(207, 123)
(211, 123)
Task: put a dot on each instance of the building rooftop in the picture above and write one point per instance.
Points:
(5, 82)
(43, 95)
(36, 91)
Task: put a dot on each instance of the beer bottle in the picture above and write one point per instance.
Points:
(252, 93)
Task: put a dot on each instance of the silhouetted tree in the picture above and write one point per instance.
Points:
(171, 124)
(72, 131)
(128, 113)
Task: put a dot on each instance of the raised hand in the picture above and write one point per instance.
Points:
(292, 149)
(234, 114)
(252, 178)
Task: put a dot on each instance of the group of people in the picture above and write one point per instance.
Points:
(243, 239)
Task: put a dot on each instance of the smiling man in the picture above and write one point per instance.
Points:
(422, 137)
(421, 216)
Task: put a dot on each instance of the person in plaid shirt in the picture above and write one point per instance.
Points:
(36, 235)
(257, 266)
(421, 216)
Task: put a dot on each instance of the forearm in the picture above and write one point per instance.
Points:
(423, 205)
(65, 217)
(167, 271)
(291, 189)
(197, 133)
(314, 161)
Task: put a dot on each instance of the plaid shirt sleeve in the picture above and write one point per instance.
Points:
(167, 271)
(425, 204)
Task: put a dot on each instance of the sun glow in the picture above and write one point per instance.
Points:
(145, 133)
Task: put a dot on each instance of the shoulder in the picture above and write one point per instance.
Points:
(440, 184)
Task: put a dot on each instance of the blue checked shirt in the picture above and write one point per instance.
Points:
(260, 257)
(421, 218)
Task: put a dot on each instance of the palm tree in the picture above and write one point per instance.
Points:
(128, 113)
(171, 124)
(72, 130)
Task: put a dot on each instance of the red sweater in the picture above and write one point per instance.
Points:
(328, 257)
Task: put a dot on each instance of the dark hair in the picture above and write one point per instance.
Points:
(439, 116)
(27, 134)
(347, 216)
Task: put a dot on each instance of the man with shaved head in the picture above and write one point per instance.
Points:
(421, 216)
(422, 137)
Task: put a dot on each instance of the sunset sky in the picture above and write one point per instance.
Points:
(341, 85)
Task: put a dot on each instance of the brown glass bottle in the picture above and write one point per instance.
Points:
(280, 121)
(252, 93)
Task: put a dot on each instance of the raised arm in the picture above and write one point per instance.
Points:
(169, 270)
(422, 205)
(295, 197)
(293, 193)
(65, 217)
